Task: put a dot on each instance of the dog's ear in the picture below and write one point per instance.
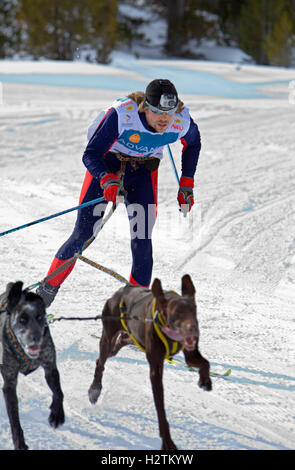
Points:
(157, 288)
(14, 294)
(187, 286)
(158, 293)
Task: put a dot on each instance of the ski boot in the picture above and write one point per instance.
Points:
(47, 292)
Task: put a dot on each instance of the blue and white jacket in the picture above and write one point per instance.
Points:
(123, 129)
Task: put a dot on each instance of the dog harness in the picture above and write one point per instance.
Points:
(17, 349)
(171, 347)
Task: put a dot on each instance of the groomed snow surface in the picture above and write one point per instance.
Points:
(237, 244)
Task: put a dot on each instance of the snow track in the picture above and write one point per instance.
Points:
(238, 245)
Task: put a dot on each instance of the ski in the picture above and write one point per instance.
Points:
(195, 369)
(224, 374)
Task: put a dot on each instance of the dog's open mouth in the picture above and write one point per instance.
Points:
(188, 342)
(33, 351)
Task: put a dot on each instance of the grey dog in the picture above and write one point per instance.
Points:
(26, 344)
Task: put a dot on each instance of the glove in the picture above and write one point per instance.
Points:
(185, 195)
(110, 184)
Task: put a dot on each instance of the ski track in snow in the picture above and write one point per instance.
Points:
(238, 245)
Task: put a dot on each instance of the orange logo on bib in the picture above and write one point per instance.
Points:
(134, 138)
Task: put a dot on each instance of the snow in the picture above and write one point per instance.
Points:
(237, 244)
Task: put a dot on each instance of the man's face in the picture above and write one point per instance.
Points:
(159, 122)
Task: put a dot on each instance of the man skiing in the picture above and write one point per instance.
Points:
(124, 151)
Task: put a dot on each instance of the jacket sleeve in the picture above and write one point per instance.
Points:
(103, 138)
(191, 149)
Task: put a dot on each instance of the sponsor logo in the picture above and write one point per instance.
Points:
(129, 108)
(177, 127)
(141, 149)
(177, 121)
(134, 138)
(128, 117)
(126, 103)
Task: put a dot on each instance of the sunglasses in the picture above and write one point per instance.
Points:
(168, 105)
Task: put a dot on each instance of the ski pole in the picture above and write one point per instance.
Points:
(176, 174)
(38, 221)
(173, 163)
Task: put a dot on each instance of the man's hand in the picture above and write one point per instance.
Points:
(185, 195)
(110, 184)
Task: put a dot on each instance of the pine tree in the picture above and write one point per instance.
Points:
(56, 29)
(103, 27)
(186, 21)
(228, 17)
(52, 29)
(175, 14)
(278, 44)
(253, 30)
(9, 34)
(266, 31)
(198, 23)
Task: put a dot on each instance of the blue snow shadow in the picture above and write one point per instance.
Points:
(187, 81)
(107, 82)
(208, 435)
(266, 379)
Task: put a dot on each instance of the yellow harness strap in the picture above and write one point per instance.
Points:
(171, 347)
(122, 315)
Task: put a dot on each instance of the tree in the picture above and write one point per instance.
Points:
(103, 27)
(187, 20)
(262, 34)
(52, 29)
(278, 44)
(175, 38)
(228, 16)
(9, 34)
(57, 28)
(198, 23)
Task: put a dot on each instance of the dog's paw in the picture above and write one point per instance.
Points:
(168, 444)
(93, 394)
(21, 446)
(56, 417)
(205, 384)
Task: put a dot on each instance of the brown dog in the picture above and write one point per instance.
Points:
(161, 324)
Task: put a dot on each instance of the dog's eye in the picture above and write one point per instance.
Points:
(23, 319)
(177, 323)
(40, 318)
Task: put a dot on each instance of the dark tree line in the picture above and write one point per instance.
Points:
(56, 29)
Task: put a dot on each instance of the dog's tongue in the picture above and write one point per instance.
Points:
(188, 342)
(176, 336)
(33, 351)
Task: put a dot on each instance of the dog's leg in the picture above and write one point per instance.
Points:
(195, 359)
(10, 396)
(156, 377)
(119, 342)
(57, 416)
(104, 352)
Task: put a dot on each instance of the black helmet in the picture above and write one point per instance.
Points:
(161, 95)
